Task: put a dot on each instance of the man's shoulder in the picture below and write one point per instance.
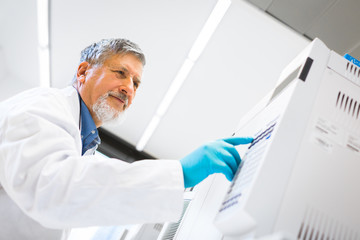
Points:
(50, 92)
(44, 101)
(42, 92)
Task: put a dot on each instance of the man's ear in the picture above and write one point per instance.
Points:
(81, 72)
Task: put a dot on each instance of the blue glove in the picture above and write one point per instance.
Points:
(215, 157)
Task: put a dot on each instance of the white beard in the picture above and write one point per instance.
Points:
(107, 114)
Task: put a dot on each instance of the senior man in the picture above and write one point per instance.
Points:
(51, 181)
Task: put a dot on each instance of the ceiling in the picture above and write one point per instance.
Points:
(333, 21)
(238, 67)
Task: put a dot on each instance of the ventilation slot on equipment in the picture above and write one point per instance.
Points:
(171, 230)
(352, 71)
(317, 226)
(158, 227)
(338, 97)
(348, 104)
(354, 109)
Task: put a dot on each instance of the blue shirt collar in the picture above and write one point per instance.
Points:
(89, 133)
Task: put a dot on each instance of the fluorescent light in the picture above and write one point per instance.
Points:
(196, 50)
(148, 132)
(44, 66)
(169, 96)
(43, 41)
(43, 22)
(175, 86)
(209, 28)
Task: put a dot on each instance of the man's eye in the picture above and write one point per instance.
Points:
(121, 73)
(136, 84)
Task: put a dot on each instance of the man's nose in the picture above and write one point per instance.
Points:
(127, 86)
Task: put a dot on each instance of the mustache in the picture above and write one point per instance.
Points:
(119, 95)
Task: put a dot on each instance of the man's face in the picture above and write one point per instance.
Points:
(115, 83)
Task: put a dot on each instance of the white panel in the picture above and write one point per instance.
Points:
(11, 86)
(239, 66)
(18, 42)
(3, 69)
(165, 30)
(300, 15)
(338, 27)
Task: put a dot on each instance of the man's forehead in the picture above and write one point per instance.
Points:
(119, 62)
(123, 60)
(122, 56)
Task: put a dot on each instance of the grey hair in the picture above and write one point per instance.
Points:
(99, 52)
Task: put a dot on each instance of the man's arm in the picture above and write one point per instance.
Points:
(42, 171)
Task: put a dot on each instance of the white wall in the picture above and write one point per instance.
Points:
(240, 65)
(19, 68)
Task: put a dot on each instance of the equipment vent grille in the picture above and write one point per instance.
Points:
(171, 230)
(158, 227)
(353, 69)
(317, 226)
(348, 104)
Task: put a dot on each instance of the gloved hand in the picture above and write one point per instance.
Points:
(219, 156)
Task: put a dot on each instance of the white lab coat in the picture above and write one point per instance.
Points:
(47, 186)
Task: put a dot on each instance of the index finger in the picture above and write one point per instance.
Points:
(238, 140)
